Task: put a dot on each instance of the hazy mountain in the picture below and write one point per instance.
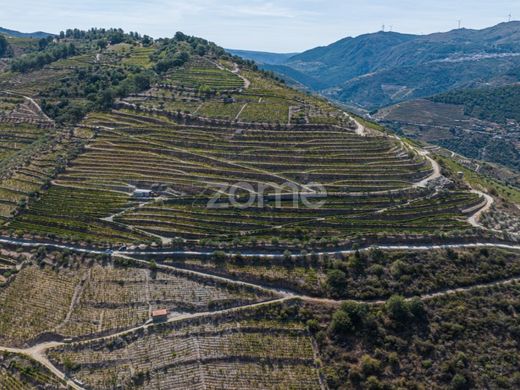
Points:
(18, 34)
(383, 68)
(294, 76)
(347, 58)
(262, 57)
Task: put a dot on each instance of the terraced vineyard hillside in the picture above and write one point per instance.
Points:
(31, 152)
(214, 125)
(100, 299)
(174, 218)
(363, 177)
(213, 353)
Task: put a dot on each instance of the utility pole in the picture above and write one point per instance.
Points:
(383, 28)
(460, 21)
(510, 17)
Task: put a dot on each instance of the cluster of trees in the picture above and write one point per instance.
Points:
(96, 88)
(112, 35)
(352, 316)
(38, 60)
(4, 46)
(175, 60)
(176, 51)
(375, 274)
(459, 341)
(198, 46)
(43, 43)
(93, 88)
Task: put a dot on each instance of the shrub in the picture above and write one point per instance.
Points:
(397, 268)
(4, 45)
(459, 382)
(313, 325)
(372, 383)
(219, 256)
(369, 365)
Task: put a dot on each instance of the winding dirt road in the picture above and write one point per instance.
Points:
(235, 71)
(474, 219)
(34, 104)
(38, 352)
(360, 129)
(287, 294)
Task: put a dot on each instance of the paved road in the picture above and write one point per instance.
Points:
(277, 255)
(267, 254)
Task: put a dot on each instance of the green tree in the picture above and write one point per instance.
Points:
(397, 308)
(43, 43)
(341, 322)
(4, 45)
(416, 307)
(102, 43)
(105, 99)
(337, 282)
(357, 313)
(369, 365)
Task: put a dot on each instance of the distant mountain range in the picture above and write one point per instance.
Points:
(262, 57)
(376, 70)
(18, 34)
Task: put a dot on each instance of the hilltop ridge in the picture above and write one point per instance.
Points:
(374, 70)
(18, 34)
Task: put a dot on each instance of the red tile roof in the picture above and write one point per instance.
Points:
(159, 313)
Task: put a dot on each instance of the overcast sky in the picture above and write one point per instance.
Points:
(279, 26)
